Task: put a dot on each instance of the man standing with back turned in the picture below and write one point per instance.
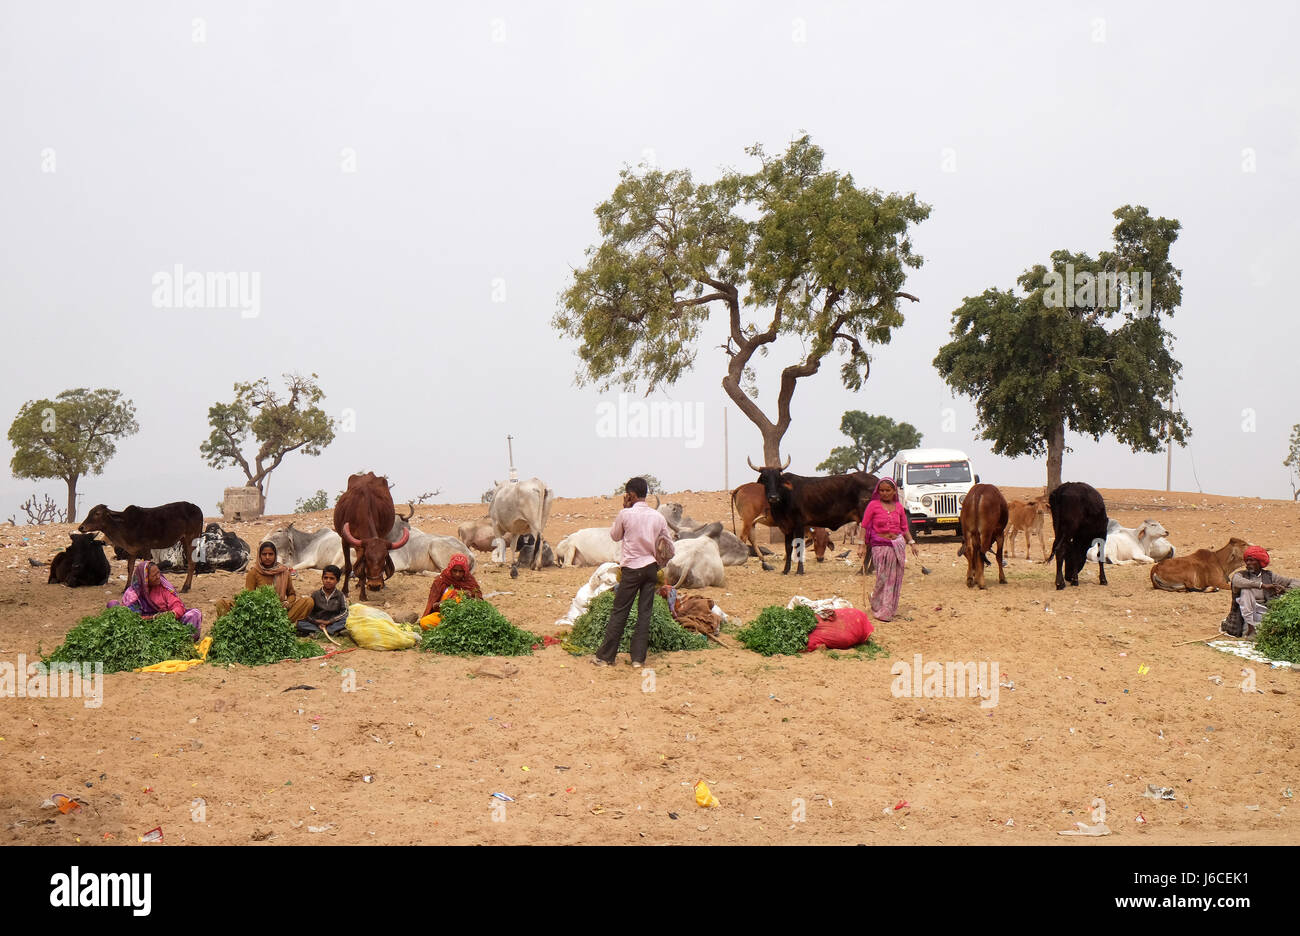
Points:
(637, 526)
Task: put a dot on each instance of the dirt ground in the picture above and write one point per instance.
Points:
(1107, 699)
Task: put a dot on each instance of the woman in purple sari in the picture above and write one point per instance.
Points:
(150, 594)
(887, 532)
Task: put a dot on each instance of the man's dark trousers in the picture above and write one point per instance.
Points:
(636, 583)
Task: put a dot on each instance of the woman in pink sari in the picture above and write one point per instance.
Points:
(887, 533)
(150, 594)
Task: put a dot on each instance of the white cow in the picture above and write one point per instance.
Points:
(696, 564)
(590, 546)
(477, 534)
(521, 507)
(428, 552)
(1125, 545)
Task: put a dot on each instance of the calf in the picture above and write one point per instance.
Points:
(983, 523)
(140, 530)
(1203, 570)
(1125, 546)
(82, 563)
(821, 540)
(1079, 519)
(1027, 517)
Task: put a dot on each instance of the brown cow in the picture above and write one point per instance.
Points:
(138, 531)
(1203, 570)
(750, 501)
(983, 523)
(821, 540)
(1027, 517)
(363, 518)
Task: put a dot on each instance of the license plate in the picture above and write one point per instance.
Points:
(946, 520)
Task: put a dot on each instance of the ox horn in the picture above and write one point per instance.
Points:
(787, 463)
(349, 538)
(751, 463)
(401, 540)
(408, 517)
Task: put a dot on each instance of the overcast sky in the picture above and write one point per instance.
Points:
(412, 184)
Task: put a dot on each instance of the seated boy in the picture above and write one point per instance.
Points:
(330, 607)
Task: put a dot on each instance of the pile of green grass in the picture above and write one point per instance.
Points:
(122, 640)
(665, 633)
(473, 627)
(779, 630)
(1278, 635)
(257, 631)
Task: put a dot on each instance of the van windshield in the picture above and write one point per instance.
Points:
(939, 473)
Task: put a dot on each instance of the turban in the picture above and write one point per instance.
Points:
(1257, 552)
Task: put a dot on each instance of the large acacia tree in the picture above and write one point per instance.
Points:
(790, 249)
(1038, 362)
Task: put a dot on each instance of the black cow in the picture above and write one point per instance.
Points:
(1079, 520)
(140, 530)
(797, 503)
(527, 543)
(82, 563)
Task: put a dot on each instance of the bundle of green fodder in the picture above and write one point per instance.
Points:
(665, 633)
(122, 640)
(473, 627)
(1278, 635)
(779, 630)
(257, 631)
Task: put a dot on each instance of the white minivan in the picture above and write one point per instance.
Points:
(932, 484)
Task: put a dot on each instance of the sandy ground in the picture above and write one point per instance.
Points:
(797, 750)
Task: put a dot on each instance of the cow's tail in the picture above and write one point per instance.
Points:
(733, 513)
(1158, 582)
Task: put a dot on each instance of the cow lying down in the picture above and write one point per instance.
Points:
(422, 552)
(1203, 570)
(696, 564)
(1125, 546)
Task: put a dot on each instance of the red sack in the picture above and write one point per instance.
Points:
(845, 628)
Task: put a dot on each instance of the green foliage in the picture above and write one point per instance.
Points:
(789, 250)
(665, 633)
(279, 425)
(257, 631)
(1035, 365)
(779, 630)
(1293, 458)
(653, 483)
(1278, 635)
(74, 434)
(876, 439)
(474, 627)
(318, 501)
(123, 640)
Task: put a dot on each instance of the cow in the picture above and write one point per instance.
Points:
(1078, 519)
(527, 543)
(217, 551)
(425, 552)
(477, 534)
(732, 550)
(672, 514)
(750, 501)
(520, 507)
(1203, 570)
(82, 563)
(1027, 517)
(362, 516)
(1125, 545)
(821, 540)
(983, 523)
(696, 563)
(301, 550)
(139, 530)
(590, 546)
(797, 502)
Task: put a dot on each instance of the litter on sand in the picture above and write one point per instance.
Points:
(704, 796)
(1159, 792)
(1082, 828)
(1246, 650)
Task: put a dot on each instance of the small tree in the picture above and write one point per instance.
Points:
(876, 439)
(1293, 460)
(318, 501)
(74, 434)
(279, 423)
(651, 481)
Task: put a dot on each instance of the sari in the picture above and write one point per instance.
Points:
(161, 598)
(888, 555)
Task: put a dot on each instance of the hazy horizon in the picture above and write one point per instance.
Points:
(413, 186)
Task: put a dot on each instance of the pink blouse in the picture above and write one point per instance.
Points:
(880, 523)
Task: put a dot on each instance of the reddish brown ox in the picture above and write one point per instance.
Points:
(139, 530)
(363, 518)
(1027, 517)
(750, 501)
(983, 523)
(1203, 570)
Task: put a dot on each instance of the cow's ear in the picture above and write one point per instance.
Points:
(788, 484)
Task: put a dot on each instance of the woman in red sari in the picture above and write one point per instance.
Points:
(887, 532)
(453, 582)
(150, 594)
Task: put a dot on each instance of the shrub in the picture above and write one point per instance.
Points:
(318, 501)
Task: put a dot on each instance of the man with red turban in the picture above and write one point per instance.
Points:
(1254, 588)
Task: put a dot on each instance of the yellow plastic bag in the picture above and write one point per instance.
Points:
(374, 629)
(704, 796)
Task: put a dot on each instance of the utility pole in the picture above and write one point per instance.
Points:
(510, 451)
(726, 477)
(1169, 447)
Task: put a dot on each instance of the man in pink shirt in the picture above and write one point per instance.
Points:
(637, 527)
